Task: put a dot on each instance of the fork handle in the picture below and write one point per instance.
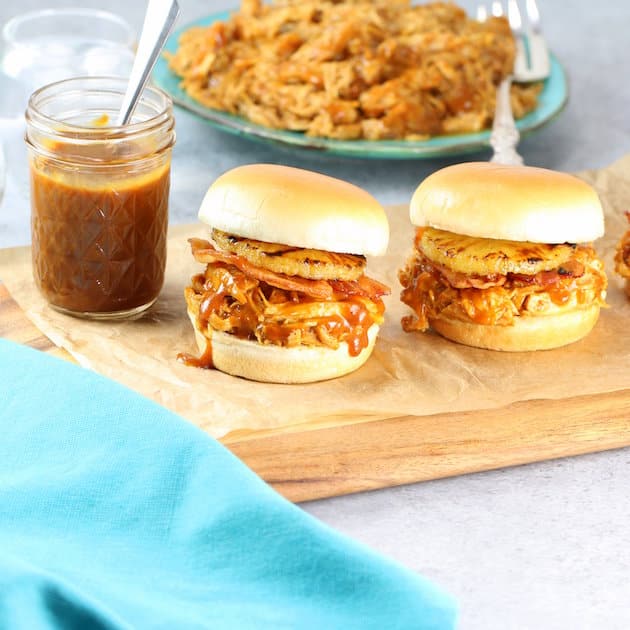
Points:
(505, 136)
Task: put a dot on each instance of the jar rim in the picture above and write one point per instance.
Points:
(109, 85)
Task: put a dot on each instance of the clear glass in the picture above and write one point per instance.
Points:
(99, 196)
(54, 44)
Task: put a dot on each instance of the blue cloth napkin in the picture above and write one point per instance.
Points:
(115, 513)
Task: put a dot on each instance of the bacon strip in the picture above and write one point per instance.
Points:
(571, 269)
(204, 252)
(364, 287)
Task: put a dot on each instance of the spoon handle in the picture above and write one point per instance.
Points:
(158, 23)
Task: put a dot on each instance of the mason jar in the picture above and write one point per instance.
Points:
(99, 196)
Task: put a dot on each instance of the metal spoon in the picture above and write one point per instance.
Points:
(158, 23)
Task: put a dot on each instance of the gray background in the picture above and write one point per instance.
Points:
(541, 546)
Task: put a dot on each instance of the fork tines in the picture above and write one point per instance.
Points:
(513, 12)
(532, 57)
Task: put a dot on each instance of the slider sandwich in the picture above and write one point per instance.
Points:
(284, 296)
(622, 257)
(502, 259)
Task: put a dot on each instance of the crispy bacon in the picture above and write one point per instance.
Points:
(204, 252)
(460, 280)
(364, 286)
(571, 269)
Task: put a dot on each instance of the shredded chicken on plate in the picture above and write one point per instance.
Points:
(349, 69)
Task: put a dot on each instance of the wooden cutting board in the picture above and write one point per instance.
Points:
(305, 463)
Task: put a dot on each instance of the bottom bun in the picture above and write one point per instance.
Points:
(541, 332)
(276, 364)
(628, 287)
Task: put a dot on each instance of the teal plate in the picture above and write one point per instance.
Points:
(551, 101)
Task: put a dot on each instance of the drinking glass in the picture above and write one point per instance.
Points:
(49, 45)
(41, 47)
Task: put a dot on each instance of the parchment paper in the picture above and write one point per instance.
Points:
(408, 374)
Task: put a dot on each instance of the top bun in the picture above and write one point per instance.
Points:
(280, 204)
(517, 203)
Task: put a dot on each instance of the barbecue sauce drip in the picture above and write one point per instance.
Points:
(350, 326)
(233, 289)
(204, 361)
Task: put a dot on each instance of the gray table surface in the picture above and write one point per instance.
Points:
(543, 546)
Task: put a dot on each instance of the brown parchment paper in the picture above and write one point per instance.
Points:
(408, 374)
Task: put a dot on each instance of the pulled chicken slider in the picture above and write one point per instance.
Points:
(284, 296)
(499, 260)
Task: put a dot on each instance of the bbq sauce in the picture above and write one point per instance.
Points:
(99, 249)
(204, 361)
(99, 196)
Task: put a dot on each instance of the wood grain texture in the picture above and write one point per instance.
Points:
(15, 326)
(308, 462)
(371, 455)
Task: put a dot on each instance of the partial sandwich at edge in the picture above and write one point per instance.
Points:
(501, 258)
(622, 258)
(284, 296)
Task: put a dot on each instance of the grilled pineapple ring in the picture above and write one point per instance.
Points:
(314, 264)
(487, 256)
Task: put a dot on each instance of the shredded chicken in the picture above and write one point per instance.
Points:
(347, 69)
(234, 296)
(497, 300)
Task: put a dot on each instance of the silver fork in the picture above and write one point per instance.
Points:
(531, 64)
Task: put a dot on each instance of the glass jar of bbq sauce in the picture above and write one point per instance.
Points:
(99, 196)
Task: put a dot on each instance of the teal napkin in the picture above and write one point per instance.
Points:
(115, 513)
